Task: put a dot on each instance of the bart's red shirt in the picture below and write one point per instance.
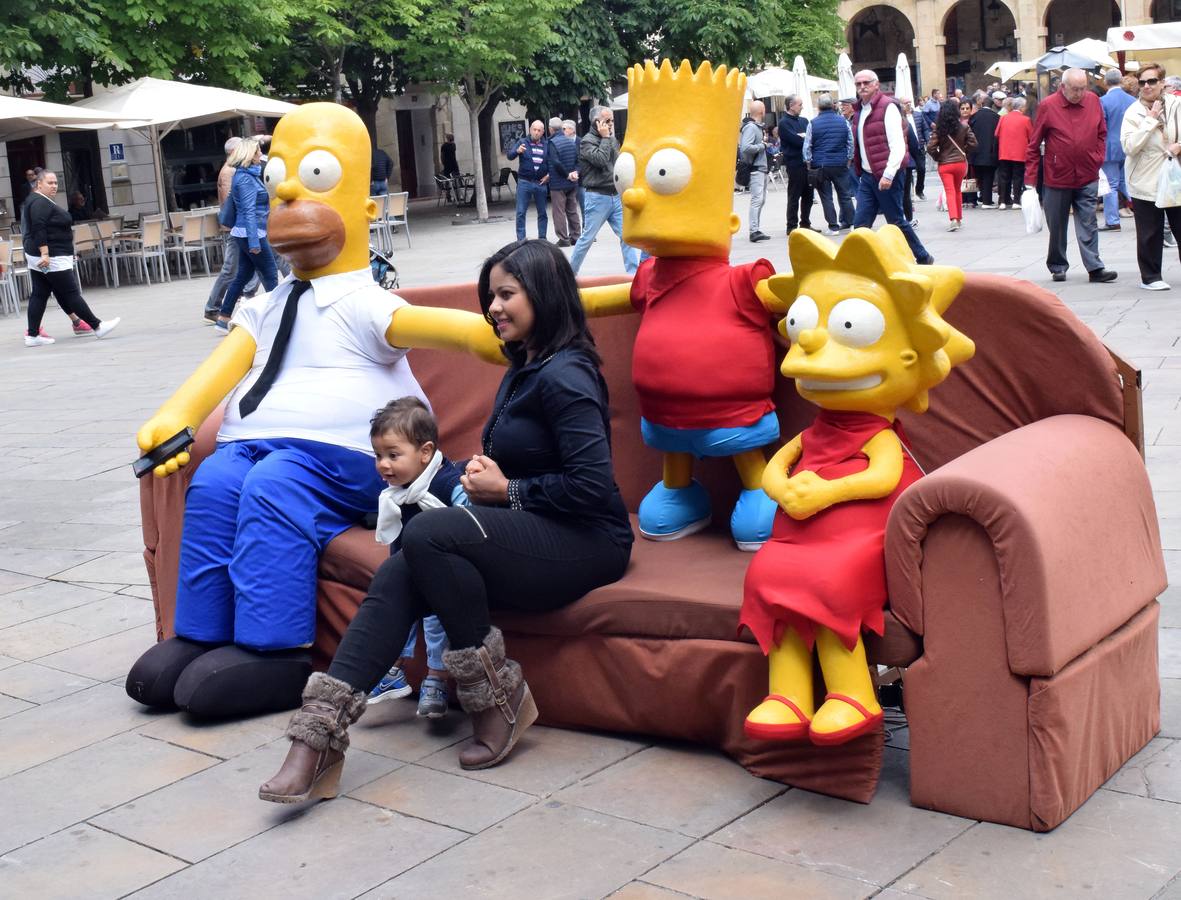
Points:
(704, 355)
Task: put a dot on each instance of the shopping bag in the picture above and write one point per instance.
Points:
(1031, 208)
(941, 203)
(1168, 185)
(1104, 184)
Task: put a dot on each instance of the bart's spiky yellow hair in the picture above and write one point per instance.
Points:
(921, 294)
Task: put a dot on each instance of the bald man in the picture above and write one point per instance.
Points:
(1074, 129)
(753, 152)
(532, 178)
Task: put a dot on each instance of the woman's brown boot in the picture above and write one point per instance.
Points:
(493, 692)
(319, 736)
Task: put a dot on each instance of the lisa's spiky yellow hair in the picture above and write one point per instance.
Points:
(921, 294)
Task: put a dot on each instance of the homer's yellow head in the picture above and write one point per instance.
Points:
(865, 323)
(318, 179)
(675, 171)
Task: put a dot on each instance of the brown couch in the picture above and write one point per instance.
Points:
(1023, 572)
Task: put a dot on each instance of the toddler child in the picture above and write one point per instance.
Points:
(405, 440)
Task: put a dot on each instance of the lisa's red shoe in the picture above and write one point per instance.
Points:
(791, 731)
(867, 724)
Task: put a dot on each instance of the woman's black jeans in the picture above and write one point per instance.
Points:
(262, 262)
(459, 563)
(1150, 236)
(64, 286)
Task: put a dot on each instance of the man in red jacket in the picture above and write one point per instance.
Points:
(1072, 125)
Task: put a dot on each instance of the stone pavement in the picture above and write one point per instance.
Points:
(99, 798)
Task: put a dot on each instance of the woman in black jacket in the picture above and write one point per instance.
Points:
(49, 250)
(547, 526)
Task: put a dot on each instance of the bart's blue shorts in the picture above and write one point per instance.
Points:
(702, 442)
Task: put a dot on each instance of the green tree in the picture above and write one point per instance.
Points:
(116, 41)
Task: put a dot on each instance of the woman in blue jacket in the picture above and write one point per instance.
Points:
(252, 205)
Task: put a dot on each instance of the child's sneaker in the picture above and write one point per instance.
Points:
(432, 698)
(394, 684)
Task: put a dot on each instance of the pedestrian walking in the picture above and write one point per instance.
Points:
(950, 145)
(1012, 139)
(597, 152)
(753, 151)
(1115, 104)
(252, 205)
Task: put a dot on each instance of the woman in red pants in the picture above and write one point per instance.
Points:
(951, 142)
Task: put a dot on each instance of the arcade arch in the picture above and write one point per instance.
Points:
(876, 35)
(976, 34)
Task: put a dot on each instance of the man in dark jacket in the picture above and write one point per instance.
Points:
(597, 152)
(1071, 123)
(562, 156)
(792, 128)
(983, 158)
(828, 146)
(532, 176)
(922, 130)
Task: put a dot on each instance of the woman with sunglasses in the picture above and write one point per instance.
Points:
(1151, 138)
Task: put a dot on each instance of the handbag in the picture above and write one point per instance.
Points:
(228, 214)
(742, 172)
(969, 186)
(815, 177)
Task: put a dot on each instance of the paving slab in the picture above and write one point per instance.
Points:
(1170, 723)
(82, 863)
(121, 567)
(874, 843)
(42, 563)
(44, 599)
(224, 740)
(15, 581)
(339, 849)
(84, 783)
(225, 798)
(1162, 773)
(451, 800)
(690, 790)
(549, 850)
(108, 657)
(11, 705)
(392, 728)
(640, 890)
(40, 684)
(1131, 778)
(111, 615)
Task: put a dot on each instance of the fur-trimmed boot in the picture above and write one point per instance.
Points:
(493, 692)
(319, 737)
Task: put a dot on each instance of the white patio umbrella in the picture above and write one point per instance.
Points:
(774, 81)
(847, 90)
(153, 107)
(1095, 49)
(903, 89)
(20, 117)
(801, 76)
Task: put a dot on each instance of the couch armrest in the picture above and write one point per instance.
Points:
(162, 509)
(1069, 512)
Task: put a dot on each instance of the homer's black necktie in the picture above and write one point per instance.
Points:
(249, 403)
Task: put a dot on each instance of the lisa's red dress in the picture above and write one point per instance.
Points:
(828, 569)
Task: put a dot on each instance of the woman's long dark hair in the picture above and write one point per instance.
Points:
(947, 123)
(559, 320)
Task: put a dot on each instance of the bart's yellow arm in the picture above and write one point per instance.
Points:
(607, 300)
(433, 328)
(198, 396)
(806, 493)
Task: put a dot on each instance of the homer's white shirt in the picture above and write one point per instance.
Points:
(338, 370)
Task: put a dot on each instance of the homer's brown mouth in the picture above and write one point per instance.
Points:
(307, 232)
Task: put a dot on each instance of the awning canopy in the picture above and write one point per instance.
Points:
(778, 82)
(1165, 36)
(20, 117)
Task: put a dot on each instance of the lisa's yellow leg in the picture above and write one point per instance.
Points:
(846, 672)
(790, 676)
(750, 465)
(678, 470)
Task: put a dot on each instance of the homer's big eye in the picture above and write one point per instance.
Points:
(801, 316)
(319, 171)
(625, 172)
(856, 323)
(274, 174)
(668, 171)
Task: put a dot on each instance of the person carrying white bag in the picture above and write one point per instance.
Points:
(1031, 208)
(1151, 138)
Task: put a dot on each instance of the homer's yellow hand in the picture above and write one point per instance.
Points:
(805, 494)
(156, 431)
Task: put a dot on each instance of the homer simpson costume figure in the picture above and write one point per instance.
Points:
(867, 338)
(305, 367)
(704, 357)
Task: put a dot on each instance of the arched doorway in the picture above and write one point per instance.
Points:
(976, 34)
(876, 36)
(1068, 21)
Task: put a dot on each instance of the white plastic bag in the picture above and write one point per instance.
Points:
(941, 203)
(1104, 184)
(1168, 185)
(1031, 208)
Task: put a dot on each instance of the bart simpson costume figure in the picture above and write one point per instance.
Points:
(704, 357)
(305, 367)
(867, 338)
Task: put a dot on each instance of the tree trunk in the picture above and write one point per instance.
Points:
(367, 110)
(489, 143)
(473, 116)
(337, 69)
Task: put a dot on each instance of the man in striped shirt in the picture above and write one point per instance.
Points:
(532, 176)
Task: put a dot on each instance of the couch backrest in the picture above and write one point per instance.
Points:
(1034, 359)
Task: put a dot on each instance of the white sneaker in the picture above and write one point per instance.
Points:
(1155, 286)
(1002, 206)
(38, 341)
(106, 326)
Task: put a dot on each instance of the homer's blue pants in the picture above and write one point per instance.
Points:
(257, 516)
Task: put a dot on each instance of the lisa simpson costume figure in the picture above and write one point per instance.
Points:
(704, 357)
(867, 338)
(304, 367)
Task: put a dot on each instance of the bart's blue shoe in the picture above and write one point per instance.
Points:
(750, 523)
(670, 513)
